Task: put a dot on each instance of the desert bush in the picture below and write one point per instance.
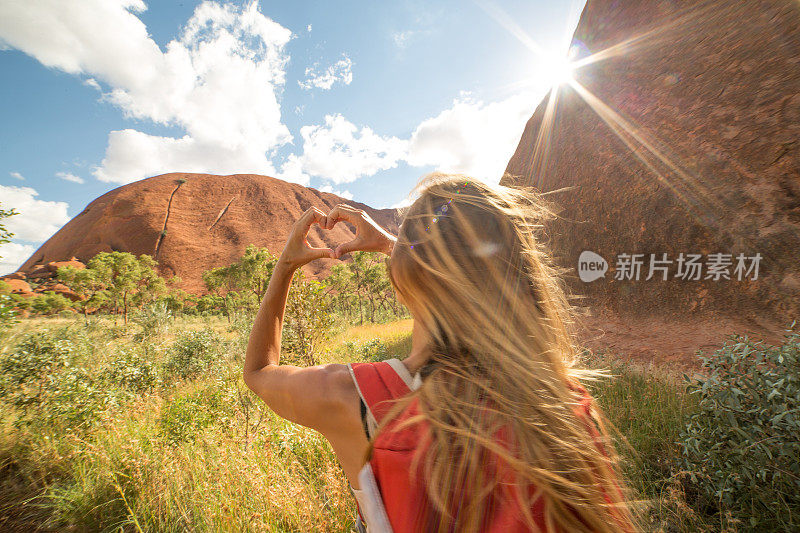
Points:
(240, 327)
(41, 379)
(371, 350)
(133, 372)
(193, 352)
(184, 417)
(75, 401)
(307, 320)
(153, 319)
(50, 303)
(31, 368)
(8, 315)
(742, 446)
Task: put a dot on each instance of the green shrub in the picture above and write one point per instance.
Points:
(50, 303)
(184, 417)
(41, 379)
(153, 319)
(307, 321)
(132, 372)
(31, 369)
(8, 316)
(371, 351)
(743, 445)
(74, 401)
(193, 352)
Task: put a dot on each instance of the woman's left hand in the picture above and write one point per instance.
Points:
(297, 252)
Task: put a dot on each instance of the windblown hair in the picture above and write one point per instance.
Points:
(470, 265)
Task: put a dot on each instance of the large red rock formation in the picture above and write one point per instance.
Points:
(193, 222)
(683, 137)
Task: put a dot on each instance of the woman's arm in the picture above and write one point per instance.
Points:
(319, 396)
(309, 396)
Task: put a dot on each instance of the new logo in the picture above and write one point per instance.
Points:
(591, 266)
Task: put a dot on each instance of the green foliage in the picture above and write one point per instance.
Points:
(184, 417)
(30, 368)
(131, 371)
(371, 350)
(153, 319)
(86, 283)
(50, 303)
(8, 314)
(40, 378)
(254, 270)
(361, 288)
(743, 443)
(128, 281)
(192, 353)
(176, 300)
(5, 235)
(307, 320)
(242, 284)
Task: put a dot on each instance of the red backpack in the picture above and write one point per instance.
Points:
(392, 498)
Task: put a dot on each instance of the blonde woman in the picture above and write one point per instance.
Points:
(484, 426)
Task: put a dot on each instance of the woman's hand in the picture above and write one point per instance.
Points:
(370, 237)
(297, 251)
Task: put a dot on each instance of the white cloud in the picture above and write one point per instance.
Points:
(347, 195)
(152, 155)
(341, 72)
(37, 219)
(472, 137)
(12, 255)
(69, 176)
(219, 81)
(17, 176)
(341, 152)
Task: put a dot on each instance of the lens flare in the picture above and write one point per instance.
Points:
(557, 70)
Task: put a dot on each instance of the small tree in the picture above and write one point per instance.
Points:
(50, 303)
(129, 281)
(222, 281)
(254, 270)
(307, 319)
(86, 283)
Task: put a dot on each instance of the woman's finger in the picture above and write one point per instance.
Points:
(321, 253)
(347, 247)
(312, 214)
(342, 212)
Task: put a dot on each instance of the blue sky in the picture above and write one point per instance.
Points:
(359, 98)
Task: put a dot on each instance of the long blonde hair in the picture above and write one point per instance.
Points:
(470, 266)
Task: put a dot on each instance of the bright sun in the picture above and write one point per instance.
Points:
(557, 70)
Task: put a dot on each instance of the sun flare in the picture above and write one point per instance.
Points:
(557, 70)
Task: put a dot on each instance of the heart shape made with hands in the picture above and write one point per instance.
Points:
(369, 236)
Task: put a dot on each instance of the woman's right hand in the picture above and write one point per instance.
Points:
(370, 237)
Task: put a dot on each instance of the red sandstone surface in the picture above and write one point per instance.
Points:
(681, 137)
(193, 222)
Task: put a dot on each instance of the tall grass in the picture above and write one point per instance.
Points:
(201, 453)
